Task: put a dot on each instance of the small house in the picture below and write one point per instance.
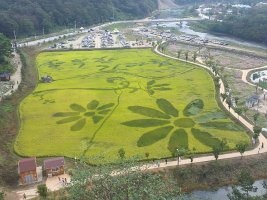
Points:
(27, 170)
(252, 101)
(5, 76)
(54, 166)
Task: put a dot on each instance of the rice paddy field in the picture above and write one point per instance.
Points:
(104, 100)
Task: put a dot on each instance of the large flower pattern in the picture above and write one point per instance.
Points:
(80, 114)
(167, 121)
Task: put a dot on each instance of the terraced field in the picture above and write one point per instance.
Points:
(102, 101)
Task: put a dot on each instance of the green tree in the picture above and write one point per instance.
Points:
(5, 48)
(241, 148)
(223, 144)
(229, 102)
(119, 181)
(216, 150)
(179, 53)
(42, 190)
(245, 109)
(2, 195)
(179, 153)
(238, 111)
(186, 55)
(121, 153)
(256, 117)
(236, 100)
(224, 96)
(257, 131)
(245, 181)
(191, 154)
(194, 56)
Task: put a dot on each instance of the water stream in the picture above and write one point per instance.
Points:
(185, 28)
(221, 194)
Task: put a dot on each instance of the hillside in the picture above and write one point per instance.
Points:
(30, 17)
(249, 25)
(166, 4)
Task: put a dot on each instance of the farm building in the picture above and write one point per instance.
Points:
(5, 76)
(252, 101)
(27, 170)
(54, 166)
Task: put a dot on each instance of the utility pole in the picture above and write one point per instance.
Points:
(113, 13)
(43, 31)
(75, 24)
(15, 36)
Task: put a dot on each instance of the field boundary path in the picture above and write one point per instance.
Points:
(255, 151)
(15, 77)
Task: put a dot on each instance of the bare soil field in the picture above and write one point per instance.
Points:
(225, 57)
(166, 4)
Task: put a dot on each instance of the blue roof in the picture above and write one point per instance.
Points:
(5, 74)
(253, 98)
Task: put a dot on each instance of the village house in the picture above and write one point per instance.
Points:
(54, 166)
(252, 101)
(5, 76)
(27, 170)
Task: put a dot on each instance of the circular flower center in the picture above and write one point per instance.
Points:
(184, 123)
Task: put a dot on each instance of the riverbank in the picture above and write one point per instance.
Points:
(216, 174)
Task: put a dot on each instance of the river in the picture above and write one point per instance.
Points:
(185, 28)
(221, 194)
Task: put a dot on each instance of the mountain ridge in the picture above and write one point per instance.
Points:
(30, 17)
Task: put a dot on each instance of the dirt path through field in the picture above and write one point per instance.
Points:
(16, 77)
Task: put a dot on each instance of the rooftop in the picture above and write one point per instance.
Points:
(27, 164)
(253, 98)
(54, 163)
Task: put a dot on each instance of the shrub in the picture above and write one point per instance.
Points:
(121, 153)
(42, 190)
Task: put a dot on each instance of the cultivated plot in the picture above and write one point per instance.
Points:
(102, 101)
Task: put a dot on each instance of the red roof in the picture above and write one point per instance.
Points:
(53, 163)
(27, 164)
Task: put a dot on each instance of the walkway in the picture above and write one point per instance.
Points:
(53, 184)
(255, 151)
(16, 77)
(246, 72)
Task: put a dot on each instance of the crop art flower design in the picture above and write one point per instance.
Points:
(167, 121)
(80, 114)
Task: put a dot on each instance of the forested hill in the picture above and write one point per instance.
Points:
(192, 2)
(249, 25)
(29, 17)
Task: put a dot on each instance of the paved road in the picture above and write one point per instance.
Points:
(48, 39)
(245, 74)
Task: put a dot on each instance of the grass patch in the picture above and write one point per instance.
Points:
(178, 139)
(221, 125)
(153, 136)
(194, 107)
(205, 138)
(185, 123)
